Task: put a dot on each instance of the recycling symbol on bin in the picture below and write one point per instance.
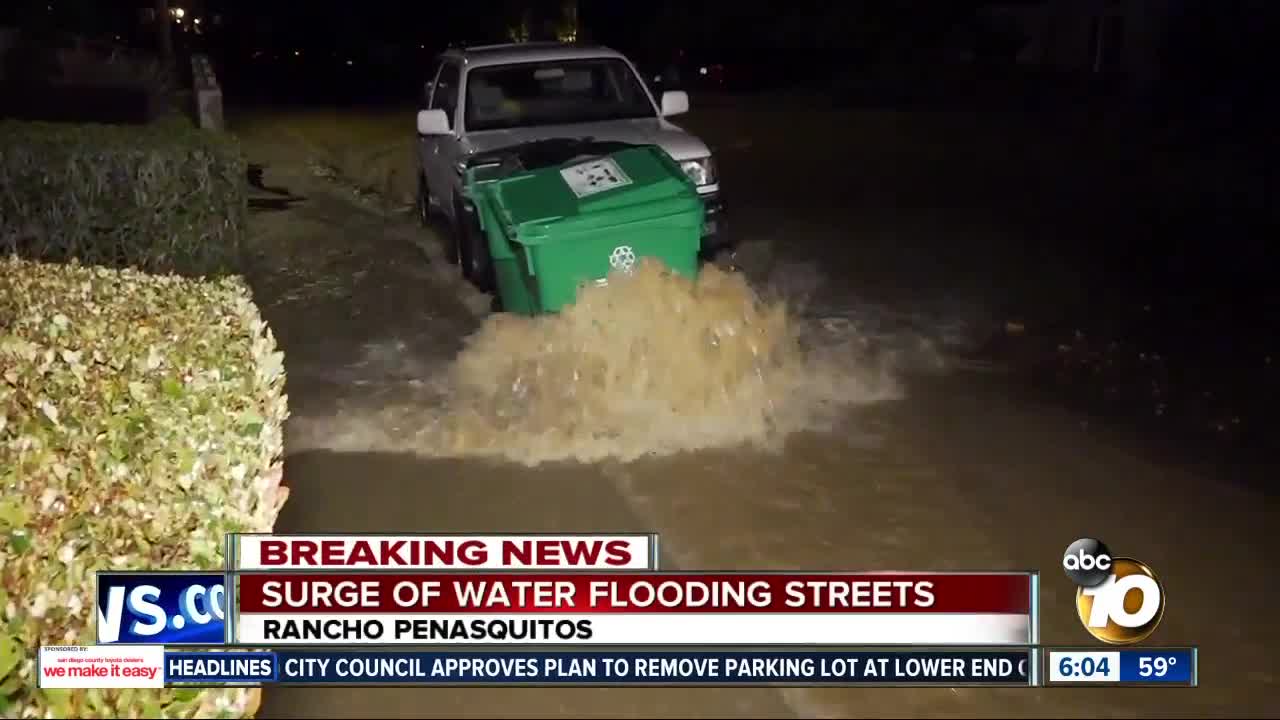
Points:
(623, 258)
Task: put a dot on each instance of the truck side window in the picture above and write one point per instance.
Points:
(445, 95)
(424, 103)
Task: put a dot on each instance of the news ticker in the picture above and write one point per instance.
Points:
(153, 666)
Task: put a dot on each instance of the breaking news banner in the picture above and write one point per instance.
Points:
(672, 609)
(190, 608)
(1170, 667)
(1006, 668)
(444, 552)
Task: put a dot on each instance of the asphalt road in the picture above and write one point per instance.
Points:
(966, 471)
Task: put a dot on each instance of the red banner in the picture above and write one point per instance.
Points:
(967, 593)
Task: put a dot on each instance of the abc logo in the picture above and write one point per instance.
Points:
(1087, 562)
(1119, 599)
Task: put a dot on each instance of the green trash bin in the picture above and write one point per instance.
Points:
(554, 228)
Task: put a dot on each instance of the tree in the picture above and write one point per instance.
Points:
(567, 27)
(164, 30)
(33, 59)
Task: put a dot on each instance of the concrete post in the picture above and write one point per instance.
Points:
(208, 93)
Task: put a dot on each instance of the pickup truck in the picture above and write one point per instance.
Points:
(484, 99)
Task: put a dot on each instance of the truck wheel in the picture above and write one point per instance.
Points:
(427, 217)
(473, 249)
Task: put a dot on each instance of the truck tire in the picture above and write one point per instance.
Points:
(429, 217)
(473, 249)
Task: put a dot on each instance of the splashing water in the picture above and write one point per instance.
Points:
(650, 364)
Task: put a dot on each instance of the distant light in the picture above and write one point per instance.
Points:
(297, 53)
(196, 21)
(422, 47)
(349, 63)
(179, 12)
(702, 71)
(657, 78)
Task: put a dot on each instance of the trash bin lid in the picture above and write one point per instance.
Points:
(637, 183)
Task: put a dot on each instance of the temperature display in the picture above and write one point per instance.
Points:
(1133, 666)
(1157, 665)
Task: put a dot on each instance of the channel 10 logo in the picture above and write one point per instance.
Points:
(1120, 601)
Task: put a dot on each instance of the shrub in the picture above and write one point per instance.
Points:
(96, 65)
(140, 420)
(51, 75)
(164, 197)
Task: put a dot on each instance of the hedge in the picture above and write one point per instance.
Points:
(165, 197)
(140, 419)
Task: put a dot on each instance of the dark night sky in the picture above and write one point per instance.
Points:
(1222, 39)
(634, 26)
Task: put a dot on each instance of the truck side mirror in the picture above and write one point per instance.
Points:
(674, 102)
(433, 122)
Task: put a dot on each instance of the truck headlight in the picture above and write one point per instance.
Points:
(701, 171)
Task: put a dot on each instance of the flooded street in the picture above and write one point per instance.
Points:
(958, 468)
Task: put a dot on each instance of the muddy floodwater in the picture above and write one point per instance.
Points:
(652, 364)
(789, 417)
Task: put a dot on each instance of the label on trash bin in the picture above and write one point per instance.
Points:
(593, 177)
(622, 258)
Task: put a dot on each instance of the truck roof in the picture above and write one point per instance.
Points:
(506, 54)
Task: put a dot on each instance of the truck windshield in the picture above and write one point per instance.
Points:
(554, 93)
